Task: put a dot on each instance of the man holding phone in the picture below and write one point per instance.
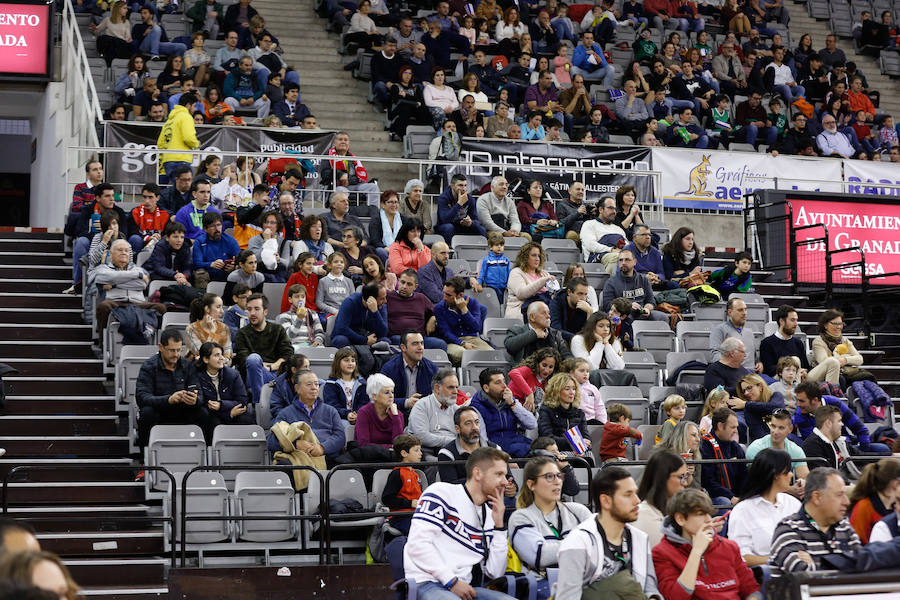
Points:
(167, 392)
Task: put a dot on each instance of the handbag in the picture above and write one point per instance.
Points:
(694, 279)
(548, 231)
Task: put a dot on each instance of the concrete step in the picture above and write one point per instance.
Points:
(94, 544)
(44, 385)
(59, 425)
(44, 331)
(144, 571)
(101, 446)
(36, 300)
(59, 316)
(64, 404)
(86, 492)
(80, 469)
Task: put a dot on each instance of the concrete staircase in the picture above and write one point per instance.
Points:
(336, 99)
(802, 23)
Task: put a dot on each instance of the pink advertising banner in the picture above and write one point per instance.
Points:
(24, 39)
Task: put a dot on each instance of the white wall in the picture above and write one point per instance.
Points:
(49, 196)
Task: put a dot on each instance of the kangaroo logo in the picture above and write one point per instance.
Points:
(697, 180)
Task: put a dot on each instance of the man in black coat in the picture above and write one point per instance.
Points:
(523, 340)
(569, 309)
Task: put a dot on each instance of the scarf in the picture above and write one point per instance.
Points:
(689, 256)
(724, 479)
(831, 341)
(389, 233)
(344, 165)
(317, 249)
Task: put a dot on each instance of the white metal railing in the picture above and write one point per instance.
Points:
(81, 101)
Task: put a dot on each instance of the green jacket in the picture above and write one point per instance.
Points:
(197, 14)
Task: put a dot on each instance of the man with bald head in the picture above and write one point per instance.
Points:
(17, 536)
(435, 274)
(523, 340)
(124, 283)
(420, 63)
(497, 211)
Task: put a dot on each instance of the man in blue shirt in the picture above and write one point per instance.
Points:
(589, 62)
(361, 322)
(649, 259)
(460, 321)
(809, 398)
(213, 250)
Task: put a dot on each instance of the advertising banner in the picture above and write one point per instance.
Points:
(873, 227)
(141, 166)
(25, 40)
(714, 180)
(518, 158)
(868, 174)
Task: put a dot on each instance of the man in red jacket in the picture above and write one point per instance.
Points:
(692, 561)
(146, 221)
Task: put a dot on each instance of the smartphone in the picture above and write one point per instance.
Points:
(192, 389)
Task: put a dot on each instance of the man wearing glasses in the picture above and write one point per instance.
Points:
(649, 259)
(833, 142)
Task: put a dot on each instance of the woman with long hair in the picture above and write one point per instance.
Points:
(685, 442)
(508, 31)
(407, 105)
(536, 213)
(206, 326)
(247, 176)
(764, 501)
(528, 380)
(681, 256)
(597, 344)
(214, 107)
(283, 392)
(245, 273)
(42, 570)
(803, 51)
(542, 520)
(344, 389)
(374, 271)
(831, 342)
(757, 402)
(409, 251)
(223, 389)
(208, 170)
(114, 34)
(313, 240)
(874, 496)
(665, 474)
(628, 213)
(528, 280)
(440, 98)
(560, 412)
(132, 80)
(169, 81)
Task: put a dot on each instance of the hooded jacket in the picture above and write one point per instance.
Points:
(722, 575)
(178, 133)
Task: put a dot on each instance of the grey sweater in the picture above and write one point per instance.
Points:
(636, 288)
(533, 540)
(331, 292)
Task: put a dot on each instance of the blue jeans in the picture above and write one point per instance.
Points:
(379, 88)
(431, 343)
(753, 131)
(448, 230)
(563, 31)
(257, 375)
(81, 247)
(789, 93)
(382, 254)
(605, 75)
(169, 167)
(137, 244)
(151, 44)
(431, 590)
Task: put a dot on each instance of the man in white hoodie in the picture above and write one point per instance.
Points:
(458, 526)
(594, 554)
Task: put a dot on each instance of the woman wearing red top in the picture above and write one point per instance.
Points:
(379, 422)
(306, 276)
(533, 203)
(874, 496)
(692, 562)
(408, 251)
(527, 381)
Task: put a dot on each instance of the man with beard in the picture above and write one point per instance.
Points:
(213, 250)
(431, 419)
(832, 142)
(595, 553)
(573, 212)
(435, 274)
(261, 346)
(783, 343)
(457, 212)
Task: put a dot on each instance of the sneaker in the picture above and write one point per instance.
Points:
(141, 476)
(2, 451)
(72, 290)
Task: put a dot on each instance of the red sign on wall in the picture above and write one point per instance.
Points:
(873, 227)
(25, 40)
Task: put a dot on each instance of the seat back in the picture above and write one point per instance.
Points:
(128, 366)
(619, 391)
(644, 367)
(596, 275)
(274, 292)
(438, 357)
(218, 288)
(487, 297)
(693, 336)
(655, 337)
(263, 493)
(176, 320)
(495, 329)
(648, 441)
(609, 377)
(207, 496)
(320, 360)
(714, 313)
(474, 361)
(462, 267)
(237, 445)
(675, 359)
(178, 448)
(469, 247)
(561, 251)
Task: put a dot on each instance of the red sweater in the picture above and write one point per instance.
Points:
(312, 284)
(522, 382)
(722, 575)
(612, 444)
(864, 515)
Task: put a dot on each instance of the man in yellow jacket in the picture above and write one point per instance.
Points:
(178, 133)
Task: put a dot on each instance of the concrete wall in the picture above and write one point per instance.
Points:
(710, 230)
(49, 197)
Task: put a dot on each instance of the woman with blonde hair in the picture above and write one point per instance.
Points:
(528, 280)
(541, 520)
(685, 442)
(561, 412)
(114, 33)
(757, 402)
(39, 569)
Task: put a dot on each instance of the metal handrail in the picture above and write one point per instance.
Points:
(185, 518)
(75, 58)
(68, 518)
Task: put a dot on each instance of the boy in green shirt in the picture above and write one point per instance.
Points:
(776, 118)
(644, 49)
(721, 119)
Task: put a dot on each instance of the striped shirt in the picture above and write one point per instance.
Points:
(798, 532)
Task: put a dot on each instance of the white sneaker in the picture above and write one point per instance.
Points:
(2, 451)
(70, 290)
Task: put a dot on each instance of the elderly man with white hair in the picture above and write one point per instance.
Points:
(523, 340)
(729, 368)
(124, 284)
(497, 211)
(834, 142)
(431, 419)
(378, 422)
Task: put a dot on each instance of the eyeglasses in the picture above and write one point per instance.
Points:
(551, 477)
(683, 478)
(836, 324)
